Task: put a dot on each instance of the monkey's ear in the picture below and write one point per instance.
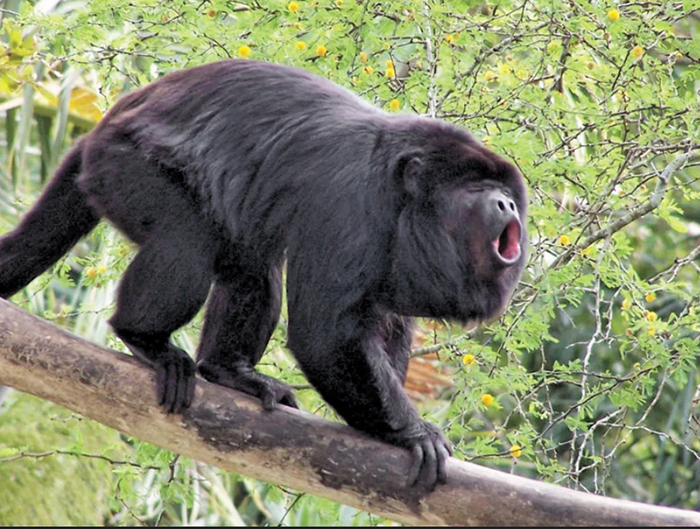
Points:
(409, 173)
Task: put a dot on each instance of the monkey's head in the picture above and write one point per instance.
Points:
(461, 240)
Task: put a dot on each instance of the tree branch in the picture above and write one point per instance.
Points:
(288, 447)
(654, 202)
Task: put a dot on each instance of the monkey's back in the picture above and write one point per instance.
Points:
(256, 143)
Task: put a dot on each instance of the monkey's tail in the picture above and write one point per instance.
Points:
(58, 220)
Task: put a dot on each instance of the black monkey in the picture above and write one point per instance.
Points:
(221, 171)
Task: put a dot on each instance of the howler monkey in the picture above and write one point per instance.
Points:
(222, 171)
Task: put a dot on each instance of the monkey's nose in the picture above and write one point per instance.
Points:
(502, 207)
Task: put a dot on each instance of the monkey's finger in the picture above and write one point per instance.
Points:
(189, 397)
(430, 465)
(182, 380)
(160, 384)
(414, 473)
(443, 455)
(269, 402)
(171, 384)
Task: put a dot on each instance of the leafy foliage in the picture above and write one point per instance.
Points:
(592, 371)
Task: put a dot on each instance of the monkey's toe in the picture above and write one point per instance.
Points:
(243, 378)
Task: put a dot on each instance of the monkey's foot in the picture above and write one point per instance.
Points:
(175, 371)
(244, 378)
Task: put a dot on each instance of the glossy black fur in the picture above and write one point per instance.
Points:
(221, 172)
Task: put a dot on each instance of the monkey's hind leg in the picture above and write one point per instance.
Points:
(163, 288)
(241, 316)
(169, 279)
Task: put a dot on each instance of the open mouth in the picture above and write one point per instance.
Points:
(507, 245)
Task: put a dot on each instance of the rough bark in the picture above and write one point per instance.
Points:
(288, 447)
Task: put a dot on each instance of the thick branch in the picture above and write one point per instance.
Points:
(288, 447)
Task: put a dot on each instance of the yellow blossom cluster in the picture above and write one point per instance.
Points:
(468, 359)
(487, 399)
(93, 272)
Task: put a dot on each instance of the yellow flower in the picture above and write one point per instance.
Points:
(468, 360)
(321, 50)
(293, 7)
(390, 73)
(650, 297)
(487, 399)
(394, 104)
(651, 316)
(636, 365)
(487, 140)
(564, 240)
(651, 331)
(614, 15)
(338, 3)
(101, 269)
(504, 69)
(91, 272)
(638, 51)
(516, 450)
(626, 304)
(300, 46)
(389, 63)
(244, 51)
(679, 55)
(489, 76)
(368, 70)
(449, 39)
(363, 56)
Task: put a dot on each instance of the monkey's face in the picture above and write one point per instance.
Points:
(485, 222)
(461, 243)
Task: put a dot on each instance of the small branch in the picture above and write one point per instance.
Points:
(677, 265)
(41, 455)
(288, 447)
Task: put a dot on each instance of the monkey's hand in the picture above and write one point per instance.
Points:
(430, 451)
(246, 379)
